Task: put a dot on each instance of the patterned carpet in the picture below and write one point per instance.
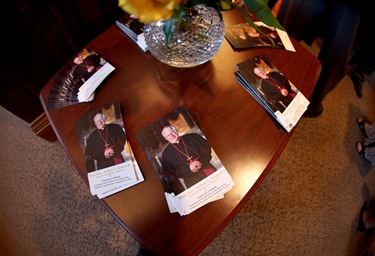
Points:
(308, 205)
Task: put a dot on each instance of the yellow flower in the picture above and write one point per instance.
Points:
(225, 5)
(149, 10)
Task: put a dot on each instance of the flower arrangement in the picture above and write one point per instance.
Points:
(154, 10)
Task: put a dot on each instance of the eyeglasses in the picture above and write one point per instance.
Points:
(169, 135)
(99, 121)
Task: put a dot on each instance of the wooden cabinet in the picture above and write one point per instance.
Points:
(38, 37)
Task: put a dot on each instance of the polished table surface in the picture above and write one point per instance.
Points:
(246, 138)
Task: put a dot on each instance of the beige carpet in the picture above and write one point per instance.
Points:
(308, 205)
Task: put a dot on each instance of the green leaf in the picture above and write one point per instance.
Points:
(260, 9)
(168, 26)
(168, 31)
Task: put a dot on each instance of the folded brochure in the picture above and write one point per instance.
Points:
(78, 79)
(279, 96)
(109, 160)
(191, 173)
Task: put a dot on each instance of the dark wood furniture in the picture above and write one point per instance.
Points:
(38, 38)
(245, 137)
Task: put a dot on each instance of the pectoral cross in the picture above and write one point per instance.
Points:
(188, 158)
(106, 145)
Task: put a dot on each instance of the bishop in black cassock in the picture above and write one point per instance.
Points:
(110, 137)
(177, 157)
